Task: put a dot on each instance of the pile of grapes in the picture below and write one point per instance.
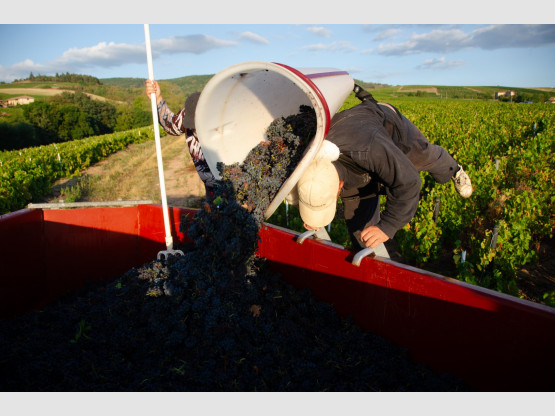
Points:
(215, 319)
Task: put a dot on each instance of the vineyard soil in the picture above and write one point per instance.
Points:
(137, 178)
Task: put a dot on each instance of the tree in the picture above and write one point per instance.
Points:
(17, 136)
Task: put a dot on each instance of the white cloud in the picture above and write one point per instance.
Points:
(253, 37)
(20, 70)
(439, 64)
(196, 44)
(514, 36)
(319, 31)
(338, 46)
(103, 54)
(440, 40)
(107, 55)
(487, 38)
(388, 33)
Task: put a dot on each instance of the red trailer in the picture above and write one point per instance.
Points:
(493, 341)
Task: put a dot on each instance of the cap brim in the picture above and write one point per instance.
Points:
(317, 218)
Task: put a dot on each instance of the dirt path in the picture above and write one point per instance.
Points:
(184, 187)
(49, 92)
(432, 90)
(474, 89)
(132, 174)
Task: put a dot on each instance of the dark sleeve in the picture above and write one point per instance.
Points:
(402, 181)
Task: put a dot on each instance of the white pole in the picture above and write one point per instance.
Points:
(169, 238)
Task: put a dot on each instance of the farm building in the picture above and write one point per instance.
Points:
(21, 100)
(504, 94)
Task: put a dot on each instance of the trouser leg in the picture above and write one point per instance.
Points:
(429, 157)
(362, 210)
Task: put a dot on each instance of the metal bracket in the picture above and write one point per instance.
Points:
(322, 234)
(360, 255)
(96, 204)
(305, 235)
(165, 254)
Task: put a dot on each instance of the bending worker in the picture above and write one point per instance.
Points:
(372, 149)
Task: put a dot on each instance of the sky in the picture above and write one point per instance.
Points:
(474, 45)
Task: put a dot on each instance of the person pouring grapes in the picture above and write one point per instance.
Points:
(372, 149)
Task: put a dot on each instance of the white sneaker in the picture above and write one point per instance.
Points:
(463, 186)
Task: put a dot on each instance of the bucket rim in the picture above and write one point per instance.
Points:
(306, 79)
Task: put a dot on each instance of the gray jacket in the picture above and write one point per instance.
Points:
(372, 136)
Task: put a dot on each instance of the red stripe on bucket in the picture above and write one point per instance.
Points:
(306, 78)
(327, 74)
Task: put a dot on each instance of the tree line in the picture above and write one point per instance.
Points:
(69, 116)
(67, 77)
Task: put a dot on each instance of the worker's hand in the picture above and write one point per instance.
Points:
(372, 236)
(153, 87)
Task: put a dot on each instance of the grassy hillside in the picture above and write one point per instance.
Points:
(174, 90)
(460, 92)
(42, 90)
(123, 82)
(130, 91)
(189, 82)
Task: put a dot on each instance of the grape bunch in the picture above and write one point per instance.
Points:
(257, 180)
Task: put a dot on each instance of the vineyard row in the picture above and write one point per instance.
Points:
(27, 175)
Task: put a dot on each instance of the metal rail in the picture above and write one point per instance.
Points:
(94, 204)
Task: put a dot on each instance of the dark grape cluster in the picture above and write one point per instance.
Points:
(215, 319)
(257, 180)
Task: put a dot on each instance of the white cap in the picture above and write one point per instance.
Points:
(318, 189)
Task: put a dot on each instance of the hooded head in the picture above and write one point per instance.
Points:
(318, 189)
(190, 107)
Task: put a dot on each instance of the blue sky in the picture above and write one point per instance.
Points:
(400, 51)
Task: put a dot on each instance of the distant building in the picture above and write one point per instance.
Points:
(504, 94)
(551, 100)
(12, 102)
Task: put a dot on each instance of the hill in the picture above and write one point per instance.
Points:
(465, 92)
(41, 90)
(123, 82)
(130, 91)
(174, 90)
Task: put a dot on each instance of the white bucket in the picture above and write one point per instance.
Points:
(239, 103)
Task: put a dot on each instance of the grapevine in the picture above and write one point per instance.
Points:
(27, 175)
(507, 149)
